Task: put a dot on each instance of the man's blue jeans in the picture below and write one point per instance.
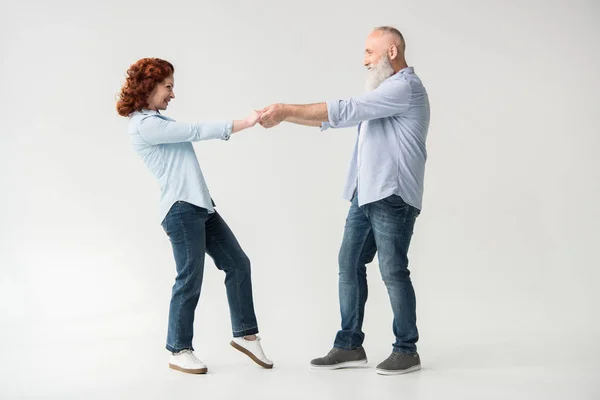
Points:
(385, 227)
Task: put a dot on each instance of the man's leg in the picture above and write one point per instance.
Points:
(357, 250)
(393, 222)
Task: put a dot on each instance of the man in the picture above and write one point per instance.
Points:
(385, 186)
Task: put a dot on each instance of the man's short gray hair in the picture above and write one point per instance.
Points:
(401, 44)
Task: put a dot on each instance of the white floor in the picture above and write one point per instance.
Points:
(119, 370)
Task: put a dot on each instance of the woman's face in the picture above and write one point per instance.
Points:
(162, 94)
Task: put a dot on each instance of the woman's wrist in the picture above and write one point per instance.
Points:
(239, 125)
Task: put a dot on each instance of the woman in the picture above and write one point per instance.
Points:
(187, 211)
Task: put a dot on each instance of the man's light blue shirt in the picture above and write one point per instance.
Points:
(165, 147)
(390, 157)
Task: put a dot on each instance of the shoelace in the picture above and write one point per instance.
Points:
(190, 354)
(261, 354)
(194, 358)
(260, 349)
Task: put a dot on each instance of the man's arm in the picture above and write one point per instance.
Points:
(323, 125)
(390, 98)
(312, 112)
(305, 122)
(304, 114)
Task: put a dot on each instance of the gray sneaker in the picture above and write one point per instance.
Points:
(399, 363)
(339, 358)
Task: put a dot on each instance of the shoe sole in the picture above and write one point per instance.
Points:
(398, 371)
(347, 364)
(249, 354)
(189, 371)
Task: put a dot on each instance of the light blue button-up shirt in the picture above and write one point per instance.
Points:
(165, 147)
(390, 157)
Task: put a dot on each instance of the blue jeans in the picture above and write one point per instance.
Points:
(385, 227)
(194, 232)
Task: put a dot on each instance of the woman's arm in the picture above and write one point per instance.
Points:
(156, 130)
(248, 122)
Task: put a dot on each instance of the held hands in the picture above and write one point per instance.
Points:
(268, 117)
(272, 115)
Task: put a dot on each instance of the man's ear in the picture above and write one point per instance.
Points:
(393, 52)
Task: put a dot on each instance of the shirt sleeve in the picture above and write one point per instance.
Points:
(392, 97)
(327, 125)
(156, 130)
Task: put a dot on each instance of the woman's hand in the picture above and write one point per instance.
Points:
(253, 118)
(248, 122)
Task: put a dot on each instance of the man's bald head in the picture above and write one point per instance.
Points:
(393, 36)
(385, 41)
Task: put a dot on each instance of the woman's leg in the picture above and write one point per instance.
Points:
(185, 226)
(229, 257)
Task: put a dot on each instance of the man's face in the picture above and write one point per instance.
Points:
(377, 61)
(374, 49)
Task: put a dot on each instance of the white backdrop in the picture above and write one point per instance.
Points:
(505, 250)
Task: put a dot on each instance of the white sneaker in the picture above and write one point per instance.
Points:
(252, 349)
(186, 361)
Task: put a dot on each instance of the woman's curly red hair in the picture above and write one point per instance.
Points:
(142, 78)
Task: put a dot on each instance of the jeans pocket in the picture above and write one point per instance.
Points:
(395, 201)
(403, 211)
(174, 210)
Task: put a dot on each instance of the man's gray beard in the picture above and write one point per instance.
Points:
(379, 73)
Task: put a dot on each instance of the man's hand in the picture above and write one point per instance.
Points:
(272, 115)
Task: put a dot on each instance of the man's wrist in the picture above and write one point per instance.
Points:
(286, 111)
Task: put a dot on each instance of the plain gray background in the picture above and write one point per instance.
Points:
(505, 251)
